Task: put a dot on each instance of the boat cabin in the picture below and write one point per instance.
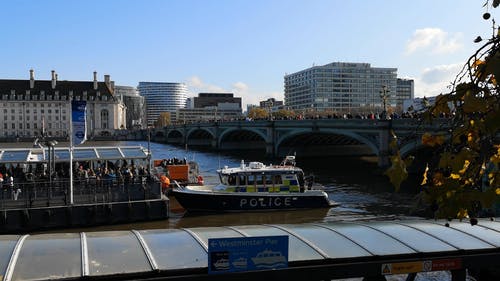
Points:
(257, 177)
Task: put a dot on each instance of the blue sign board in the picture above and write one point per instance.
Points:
(247, 253)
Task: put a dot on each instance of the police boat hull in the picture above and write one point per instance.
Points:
(218, 201)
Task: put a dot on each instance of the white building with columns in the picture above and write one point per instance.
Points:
(31, 107)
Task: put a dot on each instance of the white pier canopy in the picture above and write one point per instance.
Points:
(61, 154)
(317, 251)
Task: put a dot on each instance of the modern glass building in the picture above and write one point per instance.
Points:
(136, 116)
(162, 97)
(341, 87)
(405, 91)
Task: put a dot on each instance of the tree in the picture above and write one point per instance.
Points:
(284, 114)
(163, 120)
(258, 113)
(463, 179)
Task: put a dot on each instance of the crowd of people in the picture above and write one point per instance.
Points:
(14, 178)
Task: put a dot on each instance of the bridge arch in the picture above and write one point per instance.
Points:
(251, 140)
(371, 143)
(175, 134)
(199, 131)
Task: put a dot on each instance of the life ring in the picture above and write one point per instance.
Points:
(200, 180)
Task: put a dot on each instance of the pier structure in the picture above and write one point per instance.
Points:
(372, 250)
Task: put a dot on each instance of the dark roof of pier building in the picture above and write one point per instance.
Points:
(20, 87)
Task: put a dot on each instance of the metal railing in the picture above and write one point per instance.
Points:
(32, 194)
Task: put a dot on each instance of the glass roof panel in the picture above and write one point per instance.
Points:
(452, 236)
(62, 154)
(416, 239)
(133, 152)
(7, 244)
(49, 256)
(495, 225)
(115, 252)
(109, 153)
(86, 153)
(486, 234)
(205, 233)
(175, 249)
(297, 249)
(374, 241)
(329, 242)
(15, 156)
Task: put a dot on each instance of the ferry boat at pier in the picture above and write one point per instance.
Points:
(254, 187)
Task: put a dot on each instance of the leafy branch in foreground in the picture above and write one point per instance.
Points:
(463, 180)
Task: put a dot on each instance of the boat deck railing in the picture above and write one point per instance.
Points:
(33, 194)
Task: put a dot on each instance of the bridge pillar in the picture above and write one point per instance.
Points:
(270, 150)
(385, 139)
(270, 131)
(214, 144)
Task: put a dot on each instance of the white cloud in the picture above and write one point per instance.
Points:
(196, 85)
(434, 40)
(239, 89)
(436, 80)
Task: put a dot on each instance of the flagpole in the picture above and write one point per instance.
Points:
(71, 150)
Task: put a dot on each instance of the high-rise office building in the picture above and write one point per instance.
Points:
(162, 97)
(210, 107)
(341, 87)
(405, 91)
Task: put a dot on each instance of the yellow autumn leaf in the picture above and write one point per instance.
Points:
(455, 176)
(466, 165)
(497, 191)
(462, 213)
(397, 173)
(424, 180)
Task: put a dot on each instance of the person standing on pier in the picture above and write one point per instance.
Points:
(10, 184)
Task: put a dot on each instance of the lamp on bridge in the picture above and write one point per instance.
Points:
(384, 95)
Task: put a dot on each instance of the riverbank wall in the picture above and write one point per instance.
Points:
(25, 220)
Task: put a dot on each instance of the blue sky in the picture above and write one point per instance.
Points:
(242, 46)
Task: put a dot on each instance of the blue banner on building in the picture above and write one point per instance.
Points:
(78, 118)
(247, 253)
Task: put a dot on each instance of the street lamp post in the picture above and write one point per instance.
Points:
(384, 95)
(270, 104)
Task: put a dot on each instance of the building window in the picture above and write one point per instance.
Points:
(5, 126)
(13, 125)
(104, 119)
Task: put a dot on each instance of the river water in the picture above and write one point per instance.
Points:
(355, 184)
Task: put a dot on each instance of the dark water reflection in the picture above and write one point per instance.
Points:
(355, 184)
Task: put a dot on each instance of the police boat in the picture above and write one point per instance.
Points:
(254, 187)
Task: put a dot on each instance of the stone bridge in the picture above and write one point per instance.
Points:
(315, 137)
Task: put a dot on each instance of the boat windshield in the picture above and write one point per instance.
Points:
(228, 179)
